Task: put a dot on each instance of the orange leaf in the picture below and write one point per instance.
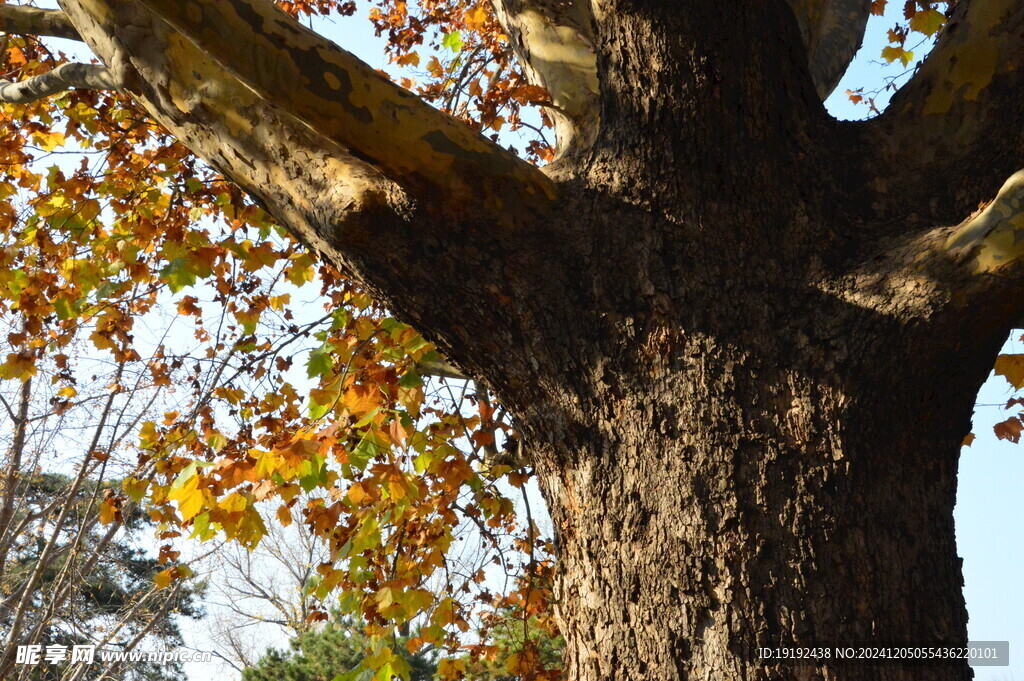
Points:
(1011, 367)
(1009, 429)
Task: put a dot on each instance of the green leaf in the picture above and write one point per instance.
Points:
(453, 41)
(410, 379)
(365, 421)
(64, 309)
(321, 361)
(368, 448)
(177, 275)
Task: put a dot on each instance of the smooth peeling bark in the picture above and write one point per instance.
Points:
(743, 370)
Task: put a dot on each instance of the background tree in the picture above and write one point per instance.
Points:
(715, 315)
(332, 650)
(110, 600)
(77, 565)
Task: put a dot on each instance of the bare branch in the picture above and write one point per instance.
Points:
(64, 77)
(13, 470)
(24, 20)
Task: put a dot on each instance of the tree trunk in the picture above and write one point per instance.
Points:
(755, 496)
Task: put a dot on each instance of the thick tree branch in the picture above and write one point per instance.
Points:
(833, 31)
(224, 122)
(956, 131)
(64, 77)
(24, 20)
(971, 272)
(442, 264)
(555, 44)
(353, 105)
(994, 238)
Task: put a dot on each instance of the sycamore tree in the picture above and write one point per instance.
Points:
(740, 340)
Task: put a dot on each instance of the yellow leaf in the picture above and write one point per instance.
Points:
(102, 341)
(147, 435)
(356, 493)
(164, 578)
(135, 488)
(476, 17)
(284, 516)
(891, 53)
(67, 391)
(49, 140)
(17, 366)
(927, 21)
(108, 512)
(234, 503)
(278, 303)
(189, 498)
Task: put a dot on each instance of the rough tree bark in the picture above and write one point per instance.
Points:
(743, 339)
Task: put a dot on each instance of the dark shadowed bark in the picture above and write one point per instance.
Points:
(742, 339)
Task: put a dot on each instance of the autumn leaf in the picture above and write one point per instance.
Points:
(108, 511)
(409, 59)
(893, 52)
(1011, 367)
(927, 21)
(475, 17)
(284, 516)
(1009, 429)
(164, 578)
(18, 367)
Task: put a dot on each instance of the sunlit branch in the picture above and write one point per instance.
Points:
(24, 20)
(64, 77)
(350, 103)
